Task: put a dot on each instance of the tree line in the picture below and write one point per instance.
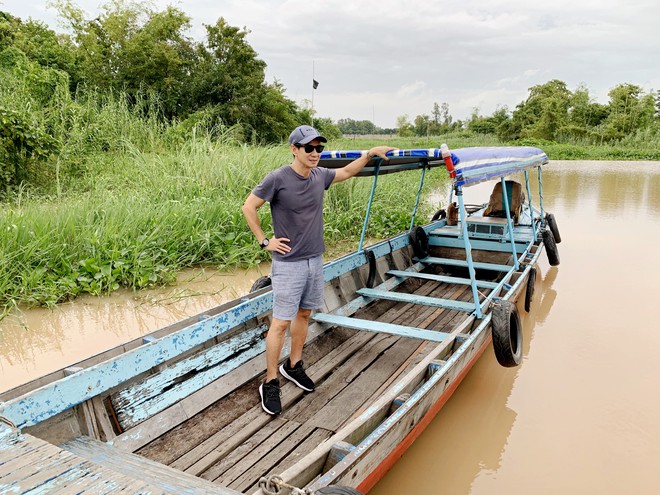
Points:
(555, 113)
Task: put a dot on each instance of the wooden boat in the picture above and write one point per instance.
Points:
(404, 320)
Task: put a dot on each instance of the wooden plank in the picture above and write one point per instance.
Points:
(250, 477)
(372, 449)
(30, 464)
(436, 302)
(248, 452)
(341, 407)
(153, 394)
(236, 400)
(341, 378)
(219, 444)
(430, 260)
(376, 326)
(133, 466)
(441, 278)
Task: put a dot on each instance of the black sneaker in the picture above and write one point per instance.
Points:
(270, 396)
(297, 375)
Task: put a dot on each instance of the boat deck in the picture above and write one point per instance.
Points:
(234, 443)
(29, 465)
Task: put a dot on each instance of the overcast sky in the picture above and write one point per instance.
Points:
(380, 59)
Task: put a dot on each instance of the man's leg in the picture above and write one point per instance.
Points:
(274, 344)
(292, 369)
(299, 327)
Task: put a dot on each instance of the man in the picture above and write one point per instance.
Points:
(295, 193)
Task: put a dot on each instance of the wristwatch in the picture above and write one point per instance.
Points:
(264, 243)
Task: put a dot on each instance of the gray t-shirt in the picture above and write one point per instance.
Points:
(296, 204)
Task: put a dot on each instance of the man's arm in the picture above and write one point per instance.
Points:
(249, 209)
(355, 166)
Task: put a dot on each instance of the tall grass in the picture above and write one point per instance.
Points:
(135, 217)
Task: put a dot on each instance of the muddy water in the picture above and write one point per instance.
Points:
(580, 416)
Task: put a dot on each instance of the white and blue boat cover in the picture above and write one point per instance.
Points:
(474, 165)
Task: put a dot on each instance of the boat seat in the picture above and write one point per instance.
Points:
(515, 197)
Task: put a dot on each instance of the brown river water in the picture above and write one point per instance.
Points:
(579, 416)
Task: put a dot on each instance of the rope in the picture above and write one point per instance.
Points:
(7, 421)
(273, 484)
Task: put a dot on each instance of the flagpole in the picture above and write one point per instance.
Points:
(313, 88)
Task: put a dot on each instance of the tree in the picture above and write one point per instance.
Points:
(130, 47)
(404, 127)
(422, 125)
(544, 111)
(630, 110)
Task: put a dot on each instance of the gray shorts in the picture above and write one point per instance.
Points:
(296, 285)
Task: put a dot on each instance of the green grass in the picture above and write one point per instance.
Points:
(135, 218)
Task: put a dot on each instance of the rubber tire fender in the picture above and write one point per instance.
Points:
(550, 247)
(419, 242)
(439, 215)
(337, 490)
(260, 283)
(529, 290)
(552, 225)
(373, 270)
(507, 333)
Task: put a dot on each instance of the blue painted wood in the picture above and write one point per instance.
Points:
(435, 302)
(157, 392)
(379, 327)
(468, 250)
(480, 244)
(441, 278)
(451, 262)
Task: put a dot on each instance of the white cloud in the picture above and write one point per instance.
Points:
(385, 58)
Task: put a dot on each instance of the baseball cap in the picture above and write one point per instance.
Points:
(304, 134)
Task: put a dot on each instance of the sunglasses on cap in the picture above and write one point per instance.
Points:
(309, 148)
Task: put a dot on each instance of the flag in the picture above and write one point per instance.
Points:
(315, 83)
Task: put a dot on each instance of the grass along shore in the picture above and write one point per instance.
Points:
(139, 217)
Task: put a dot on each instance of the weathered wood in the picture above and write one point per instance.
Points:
(217, 446)
(340, 408)
(196, 430)
(415, 299)
(265, 439)
(337, 452)
(157, 392)
(269, 458)
(101, 414)
(166, 479)
(383, 440)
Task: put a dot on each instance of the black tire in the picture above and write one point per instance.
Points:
(260, 283)
(529, 291)
(507, 334)
(337, 490)
(419, 242)
(439, 215)
(550, 247)
(552, 225)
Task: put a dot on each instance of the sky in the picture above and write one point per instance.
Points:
(379, 60)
